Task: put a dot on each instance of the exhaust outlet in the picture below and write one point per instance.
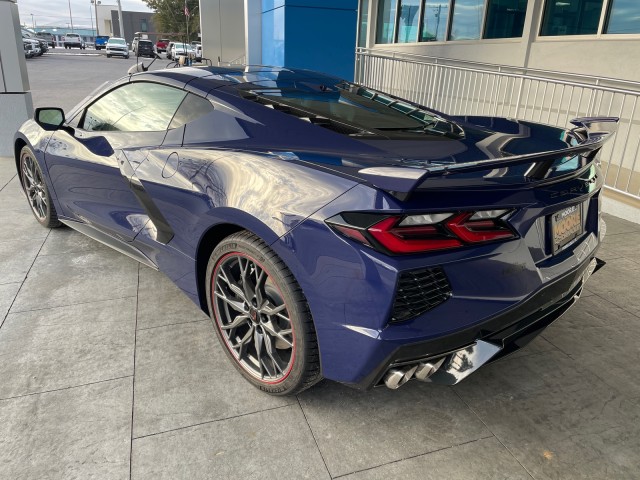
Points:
(396, 377)
(426, 369)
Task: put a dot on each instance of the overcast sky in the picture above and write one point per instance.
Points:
(56, 12)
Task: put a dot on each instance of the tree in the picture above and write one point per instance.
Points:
(170, 17)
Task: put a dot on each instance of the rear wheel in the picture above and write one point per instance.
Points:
(261, 316)
(36, 190)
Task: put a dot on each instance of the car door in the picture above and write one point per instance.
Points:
(91, 165)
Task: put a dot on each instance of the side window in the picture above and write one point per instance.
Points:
(192, 108)
(134, 107)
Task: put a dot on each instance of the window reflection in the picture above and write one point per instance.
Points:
(571, 17)
(386, 21)
(364, 23)
(467, 20)
(135, 107)
(624, 17)
(434, 21)
(505, 18)
(408, 21)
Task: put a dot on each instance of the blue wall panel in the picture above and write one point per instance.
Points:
(315, 34)
(321, 39)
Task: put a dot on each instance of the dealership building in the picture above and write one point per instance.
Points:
(540, 60)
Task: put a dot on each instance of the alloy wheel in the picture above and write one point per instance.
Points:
(34, 187)
(253, 318)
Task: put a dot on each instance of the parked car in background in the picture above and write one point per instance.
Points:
(145, 48)
(28, 48)
(73, 40)
(36, 46)
(117, 47)
(48, 38)
(168, 51)
(181, 50)
(161, 45)
(329, 229)
(101, 41)
(198, 52)
(40, 45)
(134, 44)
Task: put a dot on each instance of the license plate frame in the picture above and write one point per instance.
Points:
(567, 224)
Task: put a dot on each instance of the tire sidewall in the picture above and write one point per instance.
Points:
(294, 308)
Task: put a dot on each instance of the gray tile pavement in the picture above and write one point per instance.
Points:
(75, 433)
(60, 347)
(198, 383)
(108, 371)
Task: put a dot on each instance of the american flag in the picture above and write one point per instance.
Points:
(186, 9)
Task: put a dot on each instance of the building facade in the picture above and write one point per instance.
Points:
(591, 37)
(108, 24)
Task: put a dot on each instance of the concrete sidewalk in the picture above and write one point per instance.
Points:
(107, 371)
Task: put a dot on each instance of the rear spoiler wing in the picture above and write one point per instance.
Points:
(402, 181)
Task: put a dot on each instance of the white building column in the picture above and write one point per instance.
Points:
(253, 31)
(16, 105)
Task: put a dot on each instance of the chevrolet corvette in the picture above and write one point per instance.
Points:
(330, 230)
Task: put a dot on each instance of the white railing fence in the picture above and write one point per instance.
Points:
(469, 88)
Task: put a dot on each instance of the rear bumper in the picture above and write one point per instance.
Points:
(467, 350)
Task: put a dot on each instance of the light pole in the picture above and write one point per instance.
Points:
(70, 17)
(91, 15)
(95, 5)
(120, 20)
(33, 22)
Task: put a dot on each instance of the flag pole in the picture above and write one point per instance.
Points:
(186, 16)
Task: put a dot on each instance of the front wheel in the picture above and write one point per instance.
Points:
(35, 188)
(261, 316)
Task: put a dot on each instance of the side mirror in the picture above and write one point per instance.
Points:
(49, 118)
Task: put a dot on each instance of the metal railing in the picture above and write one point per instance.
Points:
(470, 88)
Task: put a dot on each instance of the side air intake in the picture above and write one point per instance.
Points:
(418, 292)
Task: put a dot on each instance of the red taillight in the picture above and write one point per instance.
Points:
(476, 231)
(410, 239)
(399, 234)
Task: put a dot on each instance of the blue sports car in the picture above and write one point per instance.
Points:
(329, 229)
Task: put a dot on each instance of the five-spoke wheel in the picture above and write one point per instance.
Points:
(261, 316)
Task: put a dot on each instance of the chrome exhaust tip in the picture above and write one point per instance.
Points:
(426, 369)
(396, 377)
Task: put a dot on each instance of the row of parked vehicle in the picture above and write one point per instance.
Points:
(35, 44)
(145, 48)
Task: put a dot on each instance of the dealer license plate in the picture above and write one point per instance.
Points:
(566, 225)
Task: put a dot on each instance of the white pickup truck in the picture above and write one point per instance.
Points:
(72, 40)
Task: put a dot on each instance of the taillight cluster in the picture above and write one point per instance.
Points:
(404, 234)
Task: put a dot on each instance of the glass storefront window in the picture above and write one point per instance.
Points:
(467, 20)
(364, 23)
(434, 21)
(386, 21)
(571, 17)
(624, 17)
(408, 21)
(505, 18)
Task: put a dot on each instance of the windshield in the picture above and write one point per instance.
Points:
(359, 107)
(117, 41)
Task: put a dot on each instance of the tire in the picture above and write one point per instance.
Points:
(273, 343)
(36, 190)
(126, 57)
(108, 56)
